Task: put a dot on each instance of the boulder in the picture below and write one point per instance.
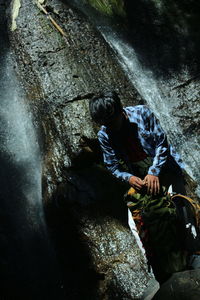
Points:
(183, 285)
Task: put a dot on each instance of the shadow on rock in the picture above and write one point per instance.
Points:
(88, 196)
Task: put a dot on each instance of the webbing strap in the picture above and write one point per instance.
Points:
(195, 205)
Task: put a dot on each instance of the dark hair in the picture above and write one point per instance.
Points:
(105, 106)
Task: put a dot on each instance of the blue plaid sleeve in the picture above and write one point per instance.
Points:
(110, 160)
(159, 141)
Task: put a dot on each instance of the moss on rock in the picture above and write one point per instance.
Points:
(109, 7)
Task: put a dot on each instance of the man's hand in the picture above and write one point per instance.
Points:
(136, 182)
(152, 183)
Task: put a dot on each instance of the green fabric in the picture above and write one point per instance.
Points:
(143, 166)
(162, 240)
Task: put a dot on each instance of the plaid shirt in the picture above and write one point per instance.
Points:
(150, 135)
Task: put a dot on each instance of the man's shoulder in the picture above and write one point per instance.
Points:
(136, 111)
(102, 132)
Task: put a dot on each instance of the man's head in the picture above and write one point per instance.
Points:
(106, 109)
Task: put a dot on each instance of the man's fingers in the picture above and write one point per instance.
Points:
(139, 183)
(139, 180)
(136, 182)
(151, 186)
(137, 186)
(147, 183)
(148, 186)
(157, 190)
(155, 187)
(158, 186)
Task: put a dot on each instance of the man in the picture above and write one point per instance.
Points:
(132, 137)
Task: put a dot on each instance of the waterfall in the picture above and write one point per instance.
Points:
(28, 264)
(18, 134)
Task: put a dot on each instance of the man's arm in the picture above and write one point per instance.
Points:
(113, 165)
(159, 141)
(110, 159)
(162, 150)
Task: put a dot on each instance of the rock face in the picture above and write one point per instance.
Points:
(84, 204)
(60, 71)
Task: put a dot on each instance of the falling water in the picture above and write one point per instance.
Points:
(28, 266)
(18, 136)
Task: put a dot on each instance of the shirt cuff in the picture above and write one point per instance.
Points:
(154, 171)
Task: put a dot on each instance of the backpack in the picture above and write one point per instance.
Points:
(188, 214)
(163, 224)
